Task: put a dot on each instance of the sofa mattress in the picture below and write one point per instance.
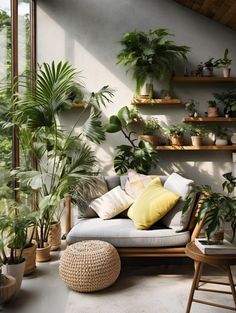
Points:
(121, 232)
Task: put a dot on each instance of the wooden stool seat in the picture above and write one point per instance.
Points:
(221, 261)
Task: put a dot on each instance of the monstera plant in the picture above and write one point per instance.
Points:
(64, 158)
(139, 156)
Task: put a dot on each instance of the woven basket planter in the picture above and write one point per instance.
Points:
(29, 254)
(90, 265)
(54, 236)
(43, 254)
(8, 290)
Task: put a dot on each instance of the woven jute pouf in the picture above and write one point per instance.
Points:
(90, 265)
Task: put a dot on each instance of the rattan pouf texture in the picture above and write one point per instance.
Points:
(89, 265)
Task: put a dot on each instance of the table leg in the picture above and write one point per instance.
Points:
(195, 282)
(231, 281)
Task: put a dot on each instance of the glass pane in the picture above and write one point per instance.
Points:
(24, 66)
(5, 94)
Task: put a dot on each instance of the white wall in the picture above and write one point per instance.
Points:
(87, 33)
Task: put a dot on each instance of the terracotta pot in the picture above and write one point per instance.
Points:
(54, 237)
(177, 141)
(29, 254)
(7, 290)
(212, 112)
(43, 254)
(197, 140)
(15, 270)
(152, 139)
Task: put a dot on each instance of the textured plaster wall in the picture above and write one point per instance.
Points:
(87, 33)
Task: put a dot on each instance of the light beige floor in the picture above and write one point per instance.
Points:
(144, 286)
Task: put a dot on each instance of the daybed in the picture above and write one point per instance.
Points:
(120, 231)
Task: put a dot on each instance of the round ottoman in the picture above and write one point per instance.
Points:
(89, 265)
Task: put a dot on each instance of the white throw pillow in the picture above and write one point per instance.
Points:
(182, 186)
(111, 203)
(136, 183)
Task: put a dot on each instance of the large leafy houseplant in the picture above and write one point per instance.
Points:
(141, 156)
(215, 208)
(149, 55)
(65, 160)
(228, 99)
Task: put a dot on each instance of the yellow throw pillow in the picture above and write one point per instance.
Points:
(153, 203)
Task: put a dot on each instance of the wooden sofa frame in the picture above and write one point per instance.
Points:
(193, 227)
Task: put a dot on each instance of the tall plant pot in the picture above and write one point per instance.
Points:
(212, 112)
(7, 289)
(15, 270)
(152, 139)
(54, 237)
(43, 254)
(29, 254)
(226, 72)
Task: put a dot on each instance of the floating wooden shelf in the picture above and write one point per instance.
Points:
(195, 148)
(138, 101)
(79, 105)
(193, 79)
(209, 119)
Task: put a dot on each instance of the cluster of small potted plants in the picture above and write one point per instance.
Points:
(206, 68)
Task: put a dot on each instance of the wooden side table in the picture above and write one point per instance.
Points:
(222, 262)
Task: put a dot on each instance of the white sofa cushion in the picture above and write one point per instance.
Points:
(121, 232)
(111, 203)
(180, 185)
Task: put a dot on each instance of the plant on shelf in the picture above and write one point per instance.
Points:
(228, 99)
(215, 209)
(221, 135)
(197, 134)
(212, 110)
(149, 56)
(65, 160)
(190, 107)
(176, 134)
(141, 156)
(150, 128)
(224, 63)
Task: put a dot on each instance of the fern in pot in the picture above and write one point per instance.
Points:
(149, 56)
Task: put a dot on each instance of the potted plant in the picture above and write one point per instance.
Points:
(150, 127)
(14, 225)
(176, 134)
(197, 135)
(215, 209)
(190, 107)
(212, 110)
(140, 157)
(221, 136)
(64, 161)
(224, 63)
(7, 286)
(149, 56)
(228, 99)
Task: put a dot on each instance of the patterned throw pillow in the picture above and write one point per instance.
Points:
(136, 183)
(111, 203)
(152, 204)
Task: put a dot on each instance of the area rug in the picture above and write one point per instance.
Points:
(145, 288)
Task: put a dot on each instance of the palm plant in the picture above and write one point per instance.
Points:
(149, 55)
(65, 161)
(141, 156)
(15, 222)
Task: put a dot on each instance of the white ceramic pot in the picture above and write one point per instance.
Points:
(233, 139)
(226, 72)
(15, 270)
(221, 142)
